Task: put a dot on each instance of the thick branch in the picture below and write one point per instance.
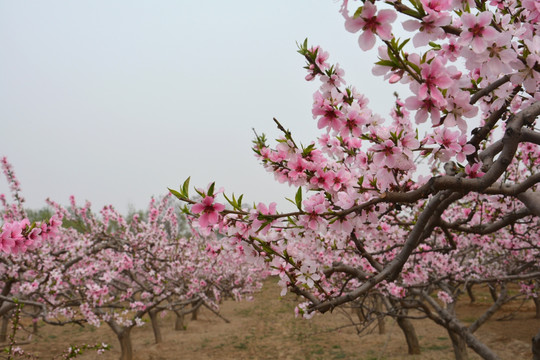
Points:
(488, 228)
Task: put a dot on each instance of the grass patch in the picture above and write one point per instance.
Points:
(436, 347)
(241, 346)
(243, 312)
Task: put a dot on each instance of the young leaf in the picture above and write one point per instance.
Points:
(176, 193)
(185, 187)
(211, 189)
(298, 199)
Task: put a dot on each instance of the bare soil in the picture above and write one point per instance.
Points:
(266, 328)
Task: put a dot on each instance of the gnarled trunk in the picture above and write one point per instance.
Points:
(537, 305)
(124, 337)
(536, 346)
(380, 315)
(459, 345)
(195, 310)
(155, 326)
(493, 291)
(410, 335)
(179, 323)
(4, 327)
(470, 293)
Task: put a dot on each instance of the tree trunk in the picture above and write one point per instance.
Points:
(537, 304)
(449, 321)
(155, 326)
(35, 327)
(410, 335)
(4, 328)
(195, 311)
(459, 345)
(179, 323)
(493, 291)
(124, 337)
(380, 315)
(536, 346)
(470, 293)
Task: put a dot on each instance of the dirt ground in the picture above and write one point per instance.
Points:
(267, 329)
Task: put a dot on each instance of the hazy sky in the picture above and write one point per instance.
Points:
(114, 101)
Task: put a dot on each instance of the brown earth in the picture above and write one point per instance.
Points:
(267, 329)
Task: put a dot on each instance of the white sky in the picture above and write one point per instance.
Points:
(114, 101)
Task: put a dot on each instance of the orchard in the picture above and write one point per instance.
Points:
(107, 269)
(418, 207)
(397, 216)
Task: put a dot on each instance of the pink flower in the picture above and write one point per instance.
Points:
(386, 153)
(445, 297)
(354, 120)
(328, 108)
(258, 221)
(424, 108)
(322, 179)
(371, 23)
(474, 170)
(451, 50)
(314, 206)
(477, 31)
(436, 5)
(209, 211)
(435, 76)
(534, 10)
(396, 290)
(429, 29)
(6, 241)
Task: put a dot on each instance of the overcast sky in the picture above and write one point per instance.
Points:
(114, 101)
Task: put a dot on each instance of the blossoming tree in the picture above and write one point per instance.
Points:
(407, 207)
(104, 268)
(139, 267)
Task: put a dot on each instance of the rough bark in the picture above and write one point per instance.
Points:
(470, 293)
(493, 292)
(536, 346)
(380, 315)
(459, 345)
(179, 323)
(410, 335)
(358, 311)
(195, 311)
(452, 324)
(124, 337)
(125, 344)
(537, 304)
(155, 326)
(4, 328)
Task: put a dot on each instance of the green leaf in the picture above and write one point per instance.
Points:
(403, 44)
(386, 63)
(414, 66)
(232, 202)
(298, 199)
(435, 45)
(358, 12)
(185, 187)
(265, 224)
(176, 193)
(211, 189)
